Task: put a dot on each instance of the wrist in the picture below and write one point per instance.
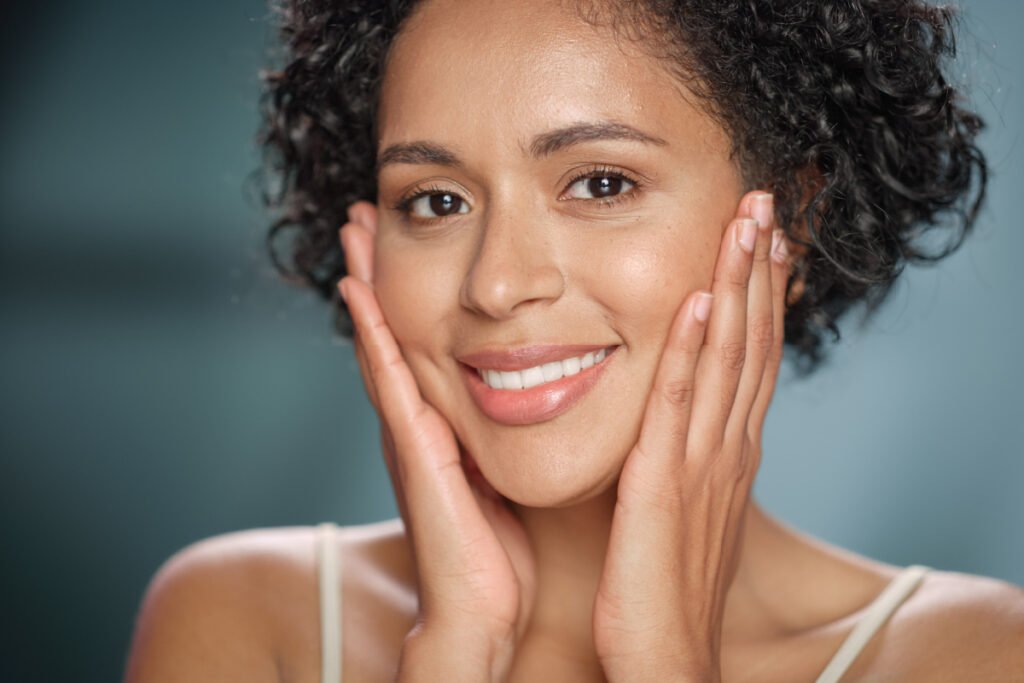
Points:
(456, 656)
(653, 669)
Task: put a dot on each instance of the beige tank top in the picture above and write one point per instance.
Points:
(329, 574)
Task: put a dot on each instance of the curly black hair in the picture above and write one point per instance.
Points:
(841, 108)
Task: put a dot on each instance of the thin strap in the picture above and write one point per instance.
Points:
(898, 590)
(330, 604)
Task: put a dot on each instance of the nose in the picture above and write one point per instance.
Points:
(515, 265)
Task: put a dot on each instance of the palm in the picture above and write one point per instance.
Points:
(490, 557)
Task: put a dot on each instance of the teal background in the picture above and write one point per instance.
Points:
(160, 384)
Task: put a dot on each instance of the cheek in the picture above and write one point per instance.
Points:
(410, 288)
(416, 287)
(643, 278)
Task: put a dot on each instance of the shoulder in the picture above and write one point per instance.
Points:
(244, 606)
(953, 627)
(959, 627)
(205, 616)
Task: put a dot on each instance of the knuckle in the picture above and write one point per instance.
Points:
(380, 366)
(679, 392)
(664, 495)
(451, 468)
(747, 463)
(762, 332)
(687, 346)
(737, 279)
(709, 445)
(733, 354)
(742, 465)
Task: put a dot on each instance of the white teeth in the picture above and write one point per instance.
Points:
(512, 380)
(532, 377)
(540, 374)
(552, 371)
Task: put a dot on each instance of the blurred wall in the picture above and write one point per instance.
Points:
(160, 384)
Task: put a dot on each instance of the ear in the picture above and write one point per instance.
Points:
(357, 240)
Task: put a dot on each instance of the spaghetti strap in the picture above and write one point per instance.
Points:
(878, 612)
(330, 603)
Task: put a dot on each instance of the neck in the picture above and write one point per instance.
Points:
(569, 546)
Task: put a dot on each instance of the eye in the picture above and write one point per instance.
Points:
(433, 204)
(602, 185)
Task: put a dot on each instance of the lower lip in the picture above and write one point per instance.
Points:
(536, 404)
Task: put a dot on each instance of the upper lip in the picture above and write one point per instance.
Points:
(520, 358)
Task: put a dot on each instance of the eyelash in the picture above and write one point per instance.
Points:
(404, 205)
(607, 172)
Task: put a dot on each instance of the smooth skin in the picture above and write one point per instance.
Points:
(618, 541)
(681, 496)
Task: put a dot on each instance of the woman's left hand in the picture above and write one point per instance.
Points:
(684, 487)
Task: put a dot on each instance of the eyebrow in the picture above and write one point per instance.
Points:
(417, 153)
(559, 139)
(542, 145)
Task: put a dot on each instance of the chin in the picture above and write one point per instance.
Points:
(548, 473)
(559, 462)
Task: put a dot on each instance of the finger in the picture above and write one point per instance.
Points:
(725, 342)
(349, 233)
(395, 386)
(759, 317)
(387, 442)
(780, 269)
(364, 367)
(363, 216)
(364, 213)
(357, 245)
(441, 504)
(663, 432)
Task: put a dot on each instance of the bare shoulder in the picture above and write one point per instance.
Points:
(380, 600)
(967, 627)
(244, 606)
(955, 627)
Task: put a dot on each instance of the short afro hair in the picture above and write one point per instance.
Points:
(841, 108)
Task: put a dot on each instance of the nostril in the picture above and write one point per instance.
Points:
(499, 288)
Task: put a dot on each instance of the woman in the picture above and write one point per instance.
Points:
(574, 239)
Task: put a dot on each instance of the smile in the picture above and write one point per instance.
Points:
(539, 385)
(540, 374)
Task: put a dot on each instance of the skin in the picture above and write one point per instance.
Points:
(617, 541)
(529, 262)
(525, 258)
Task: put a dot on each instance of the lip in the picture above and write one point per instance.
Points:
(526, 357)
(541, 403)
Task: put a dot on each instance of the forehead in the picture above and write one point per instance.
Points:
(501, 72)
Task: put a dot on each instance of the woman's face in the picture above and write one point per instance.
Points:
(545, 189)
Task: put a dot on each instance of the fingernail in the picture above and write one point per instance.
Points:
(343, 288)
(779, 249)
(762, 210)
(746, 228)
(702, 307)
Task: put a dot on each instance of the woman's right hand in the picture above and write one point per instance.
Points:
(476, 572)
